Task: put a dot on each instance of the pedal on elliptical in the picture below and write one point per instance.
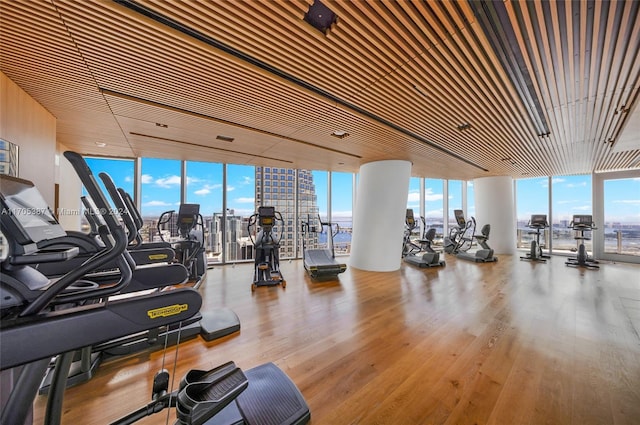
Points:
(263, 266)
(200, 401)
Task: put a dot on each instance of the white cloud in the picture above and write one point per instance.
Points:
(207, 188)
(557, 180)
(413, 197)
(146, 178)
(127, 179)
(230, 188)
(430, 196)
(628, 201)
(156, 204)
(167, 182)
(245, 200)
(582, 184)
(582, 208)
(247, 180)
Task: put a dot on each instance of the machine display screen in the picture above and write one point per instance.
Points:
(23, 201)
(539, 219)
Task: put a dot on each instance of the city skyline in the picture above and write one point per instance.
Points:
(160, 182)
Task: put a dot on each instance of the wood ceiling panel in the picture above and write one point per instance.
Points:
(398, 76)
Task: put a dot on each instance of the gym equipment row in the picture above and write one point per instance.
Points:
(43, 317)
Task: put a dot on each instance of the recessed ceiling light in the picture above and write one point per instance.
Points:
(464, 126)
(100, 144)
(161, 125)
(340, 134)
(225, 138)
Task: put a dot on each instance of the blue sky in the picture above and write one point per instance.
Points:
(161, 191)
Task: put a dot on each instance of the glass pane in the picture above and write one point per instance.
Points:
(308, 205)
(121, 172)
(532, 197)
(241, 204)
(434, 205)
(160, 192)
(571, 195)
(471, 200)
(413, 203)
(204, 187)
(622, 216)
(342, 210)
(279, 191)
(455, 200)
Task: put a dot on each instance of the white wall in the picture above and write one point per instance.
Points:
(379, 213)
(495, 205)
(69, 204)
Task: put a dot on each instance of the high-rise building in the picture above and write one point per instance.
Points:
(276, 187)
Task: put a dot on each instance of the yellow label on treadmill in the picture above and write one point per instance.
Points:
(158, 257)
(170, 310)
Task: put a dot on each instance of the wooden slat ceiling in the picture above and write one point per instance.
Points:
(399, 77)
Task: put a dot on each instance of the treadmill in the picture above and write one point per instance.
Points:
(320, 263)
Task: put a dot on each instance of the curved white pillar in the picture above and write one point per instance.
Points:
(378, 219)
(495, 206)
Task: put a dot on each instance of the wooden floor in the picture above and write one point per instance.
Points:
(504, 343)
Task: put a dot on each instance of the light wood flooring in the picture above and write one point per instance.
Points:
(510, 342)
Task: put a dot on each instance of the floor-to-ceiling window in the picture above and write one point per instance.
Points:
(121, 172)
(532, 197)
(241, 204)
(342, 210)
(454, 196)
(413, 203)
(160, 183)
(434, 206)
(471, 201)
(204, 187)
(571, 196)
(617, 217)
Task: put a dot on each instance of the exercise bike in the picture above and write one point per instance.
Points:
(267, 247)
(581, 224)
(538, 222)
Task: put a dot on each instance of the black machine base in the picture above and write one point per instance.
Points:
(270, 398)
(218, 323)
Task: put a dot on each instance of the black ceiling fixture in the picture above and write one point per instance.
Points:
(320, 17)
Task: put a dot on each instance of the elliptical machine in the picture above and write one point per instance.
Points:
(267, 247)
(190, 248)
(462, 239)
(580, 224)
(538, 222)
(422, 255)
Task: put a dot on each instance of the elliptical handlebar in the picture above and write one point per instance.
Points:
(115, 248)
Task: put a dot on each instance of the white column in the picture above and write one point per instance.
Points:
(495, 206)
(378, 217)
